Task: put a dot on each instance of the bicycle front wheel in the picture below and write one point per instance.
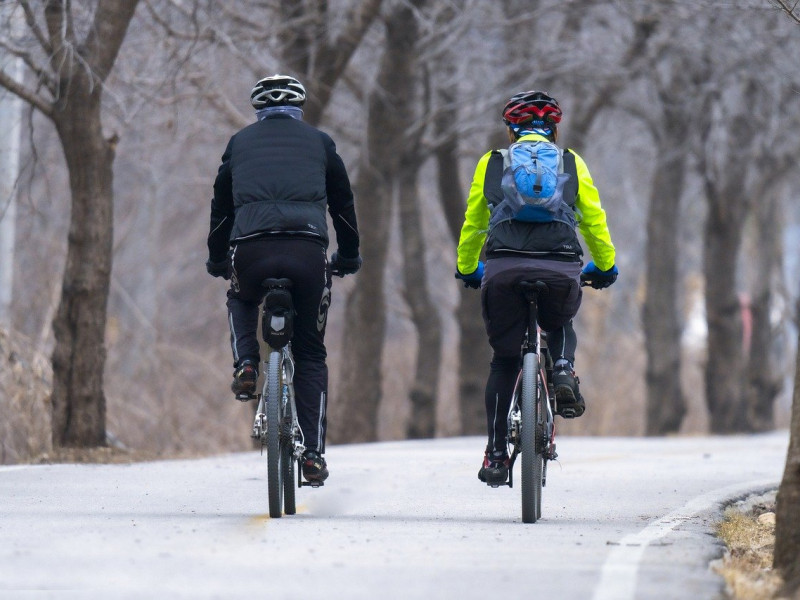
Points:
(274, 475)
(532, 461)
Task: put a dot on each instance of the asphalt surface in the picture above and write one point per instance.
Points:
(622, 518)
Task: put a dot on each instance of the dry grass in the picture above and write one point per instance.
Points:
(748, 530)
(25, 377)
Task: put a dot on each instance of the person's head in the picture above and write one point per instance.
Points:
(278, 90)
(532, 112)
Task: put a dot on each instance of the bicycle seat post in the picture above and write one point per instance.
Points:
(531, 290)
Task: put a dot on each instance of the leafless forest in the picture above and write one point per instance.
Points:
(686, 113)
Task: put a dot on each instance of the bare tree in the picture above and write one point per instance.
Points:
(69, 52)
(787, 524)
(730, 191)
(774, 158)
(310, 49)
(424, 312)
(360, 383)
(673, 66)
(787, 514)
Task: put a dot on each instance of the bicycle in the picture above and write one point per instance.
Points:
(275, 424)
(531, 416)
(531, 423)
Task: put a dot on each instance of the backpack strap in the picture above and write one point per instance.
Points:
(571, 187)
(493, 177)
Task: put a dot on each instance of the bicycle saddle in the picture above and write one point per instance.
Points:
(272, 282)
(532, 289)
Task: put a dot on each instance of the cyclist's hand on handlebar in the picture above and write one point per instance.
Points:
(219, 269)
(472, 280)
(598, 279)
(341, 265)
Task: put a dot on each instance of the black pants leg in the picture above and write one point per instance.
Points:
(562, 342)
(305, 263)
(499, 389)
(505, 313)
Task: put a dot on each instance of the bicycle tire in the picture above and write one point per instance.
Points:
(273, 409)
(287, 473)
(531, 468)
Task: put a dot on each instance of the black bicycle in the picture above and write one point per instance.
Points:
(275, 424)
(531, 417)
(531, 423)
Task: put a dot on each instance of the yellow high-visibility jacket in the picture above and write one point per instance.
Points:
(555, 240)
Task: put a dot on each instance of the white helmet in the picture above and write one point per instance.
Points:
(278, 90)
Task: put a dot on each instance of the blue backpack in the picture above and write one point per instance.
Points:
(534, 185)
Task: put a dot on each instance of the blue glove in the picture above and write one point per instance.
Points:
(473, 280)
(598, 279)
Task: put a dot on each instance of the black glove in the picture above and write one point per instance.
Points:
(598, 279)
(219, 269)
(341, 265)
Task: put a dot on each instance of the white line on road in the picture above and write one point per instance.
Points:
(619, 573)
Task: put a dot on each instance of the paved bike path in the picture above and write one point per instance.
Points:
(622, 518)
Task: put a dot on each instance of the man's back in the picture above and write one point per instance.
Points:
(278, 158)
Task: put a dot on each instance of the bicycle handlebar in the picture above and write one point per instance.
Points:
(586, 281)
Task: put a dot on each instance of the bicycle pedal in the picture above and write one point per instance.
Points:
(245, 397)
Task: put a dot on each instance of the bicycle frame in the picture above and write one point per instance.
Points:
(288, 407)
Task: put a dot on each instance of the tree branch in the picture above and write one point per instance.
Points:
(30, 21)
(111, 21)
(792, 11)
(27, 95)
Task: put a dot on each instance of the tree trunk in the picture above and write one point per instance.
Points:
(474, 353)
(80, 67)
(666, 405)
(10, 125)
(763, 378)
(787, 525)
(79, 406)
(724, 371)
(355, 412)
(424, 312)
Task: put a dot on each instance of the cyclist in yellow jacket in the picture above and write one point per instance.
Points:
(546, 249)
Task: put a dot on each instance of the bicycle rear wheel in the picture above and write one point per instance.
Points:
(531, 443)
(274, 475)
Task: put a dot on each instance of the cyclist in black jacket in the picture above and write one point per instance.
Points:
(268, 219)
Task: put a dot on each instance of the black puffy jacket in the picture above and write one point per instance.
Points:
(277, 178)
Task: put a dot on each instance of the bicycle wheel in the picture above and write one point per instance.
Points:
(531, 457)
(274, 475)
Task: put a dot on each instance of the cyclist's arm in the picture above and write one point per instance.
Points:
(476, 221)
(341, 205)
(592, 218)
(222, 210)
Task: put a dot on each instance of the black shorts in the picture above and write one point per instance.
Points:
(505, 308)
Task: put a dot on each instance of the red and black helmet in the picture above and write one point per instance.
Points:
(532, 106)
